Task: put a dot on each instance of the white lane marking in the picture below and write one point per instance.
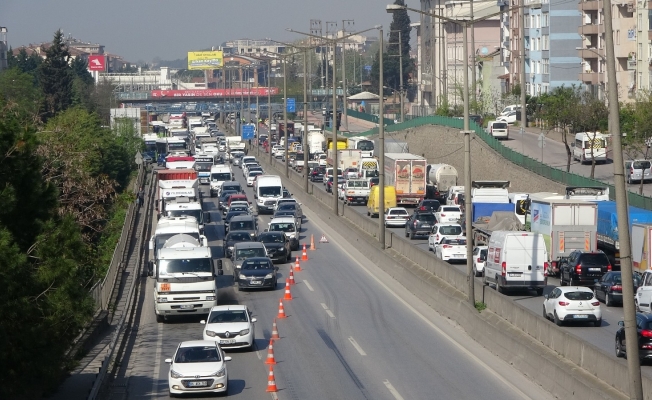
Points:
(274, 396)
(433, 326)
(392, 390)
(305, 282)
(329, 312)
(157, 362)
(357, 346)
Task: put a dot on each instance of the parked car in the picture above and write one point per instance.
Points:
(430, 205)
(610, 290)
(479, 259)
(419, 224)
(644, 333)
(198, 366)
(396, 216)
(583, 268)
(277, 245)
(574, 303)
(231, 326)
(257, 273)
(451, 249)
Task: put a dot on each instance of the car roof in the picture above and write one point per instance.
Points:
(282, 220)
(198, 343)
(250, 245)
(229, 307)
(242, 217)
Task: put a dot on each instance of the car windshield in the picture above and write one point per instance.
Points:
(269, 191)
(595, 259)
(197, 355)
(426, 218)
(450, 209)
(272, 238)
(238, 237)
(242, 225)
(232, 214)
(287, 206)
(372, 173)
(191, 213)
(193, 265)
(431, 204)
(398, 212)
(231, 187)
(221, 176)
(255, 265)
(227, 316)
(500, 125)
(365, 145)
(641, 165)
(242, 254)
(238, 208)
(450, 230)
(454, 241)
(282, 227)
(578, 295)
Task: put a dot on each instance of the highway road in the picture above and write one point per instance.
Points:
(352, 332)
(602, 337)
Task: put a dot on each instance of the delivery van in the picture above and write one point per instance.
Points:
(516, 260)
(373, 204)
(589, 146)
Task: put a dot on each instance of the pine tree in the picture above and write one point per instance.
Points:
(56, 77)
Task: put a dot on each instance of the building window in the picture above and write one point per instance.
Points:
(545, 66)
(546, 20)
(527, 21)
(617, 41)
(649, 20)
(528, 88)
(545, 45)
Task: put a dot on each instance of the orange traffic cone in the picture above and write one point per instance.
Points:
(304, 256)
(271, 382)
(281, 310)
(270, 353)
(288, 295)
(292, 282)
(275, 334)
(312, 242)
(297, 267)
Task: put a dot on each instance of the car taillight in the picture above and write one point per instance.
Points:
(442, 215)
(422, 208)
(609, 267)
(646, 333)
(578, 269)
(563, 303)
(504, 268)
(595, 303)
(616, 288)
(415, 224)
(554, 264)
(479, 260)
(447, 246)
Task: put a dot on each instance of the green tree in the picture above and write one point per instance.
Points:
(21, 95)
(558, 110)
(56, 77)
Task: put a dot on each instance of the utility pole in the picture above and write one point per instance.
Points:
(400, 58)
(345, 119)
(269, 109)
(467, 166)
(239, 132)
(334, 144)
(381, 153)
(305, 122)
(315, 29)
(629, 309)
(329, 24)
(285, 117)
(522, 80)
(473, 78)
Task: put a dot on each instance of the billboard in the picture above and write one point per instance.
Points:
(220, 93)
(205, 59)
(97, 62)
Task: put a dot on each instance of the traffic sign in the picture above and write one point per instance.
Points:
(248, 131)
(291, 105)
(367, 68)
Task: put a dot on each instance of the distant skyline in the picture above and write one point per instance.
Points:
(142, 30)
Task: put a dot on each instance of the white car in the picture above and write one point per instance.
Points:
(510, 117)
(247, 165)
(396, 216)
(439, 231)
(221, 147)
(448, 214)
(572, 303)
(198, 366)
(479, 259)
(251, 176)
(451, 249)
(230, 326)
(278, 151)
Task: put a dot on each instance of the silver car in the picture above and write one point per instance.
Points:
(635, 170)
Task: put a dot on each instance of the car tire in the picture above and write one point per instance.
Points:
(571, 281)
(160, 319)
(239, 288)
(171, 395)
(406, 233)
(545, 314)
(597, 323)
(558, 322)
(485, 282)
(412, 236)
(499, 287)
(619, 349)
(288, 258)
(607, 300)
(562, 282)
(540, 292)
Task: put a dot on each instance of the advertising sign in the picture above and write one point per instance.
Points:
(205, 60)
(219, 93)
(97, 62)
(403, 176)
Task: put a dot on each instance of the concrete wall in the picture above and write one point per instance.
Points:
(561, 363)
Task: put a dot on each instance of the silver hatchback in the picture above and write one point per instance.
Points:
(637, 170)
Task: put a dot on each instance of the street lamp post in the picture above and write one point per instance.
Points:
(381, 140)
(345, 118)
(400, 58)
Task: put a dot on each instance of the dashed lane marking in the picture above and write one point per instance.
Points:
(305, 282)
(392, 390)
(357, 346)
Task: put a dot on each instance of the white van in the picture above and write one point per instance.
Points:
(269, 189)
(219, 175)
(453, 195)
(588, 145)
(516, 260)
(498, 129)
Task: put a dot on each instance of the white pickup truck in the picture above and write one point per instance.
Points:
(354, 191)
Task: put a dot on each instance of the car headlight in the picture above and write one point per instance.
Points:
(244, 332)
(252, 234)
(210, 333)
(242, 276)
(175, 374)
(210, 298)
(162, 300)
(219, 373)
(269, 276)
(230, 247)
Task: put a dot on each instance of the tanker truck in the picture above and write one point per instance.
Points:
(440, 177)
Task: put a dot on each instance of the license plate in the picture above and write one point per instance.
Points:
(165, 287)
(186, 306)
(595, 269)
(197, 383)
(581, 316)
(514, 274)
(256, 282)
(459, 255)
(425, 226)
(227, 341)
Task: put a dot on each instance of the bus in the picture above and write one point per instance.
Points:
(166, 145)
(150, 145)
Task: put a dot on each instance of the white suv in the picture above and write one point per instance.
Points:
(439, 231)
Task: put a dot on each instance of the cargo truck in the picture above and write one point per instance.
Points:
(566, 225)
(407, 174)
(641, 247)
(608, 227)
(391, 146)
(499, 221)
(316, 142)
(203, 164)
(490, 192)
(363, 144)
(167, 227)
(185, 274)
(346, 158)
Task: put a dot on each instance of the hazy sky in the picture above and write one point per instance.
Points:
(140, 30)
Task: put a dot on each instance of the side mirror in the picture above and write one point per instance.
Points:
(621, 323)
(254, 320)
(545, 296)
(227, 358)
(204, 241)
(207, 216)
(151, 244)
(150, 268)
(203, 322)
(168, 361)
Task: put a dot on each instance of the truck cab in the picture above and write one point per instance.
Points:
(183, 206)
(643, 297)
